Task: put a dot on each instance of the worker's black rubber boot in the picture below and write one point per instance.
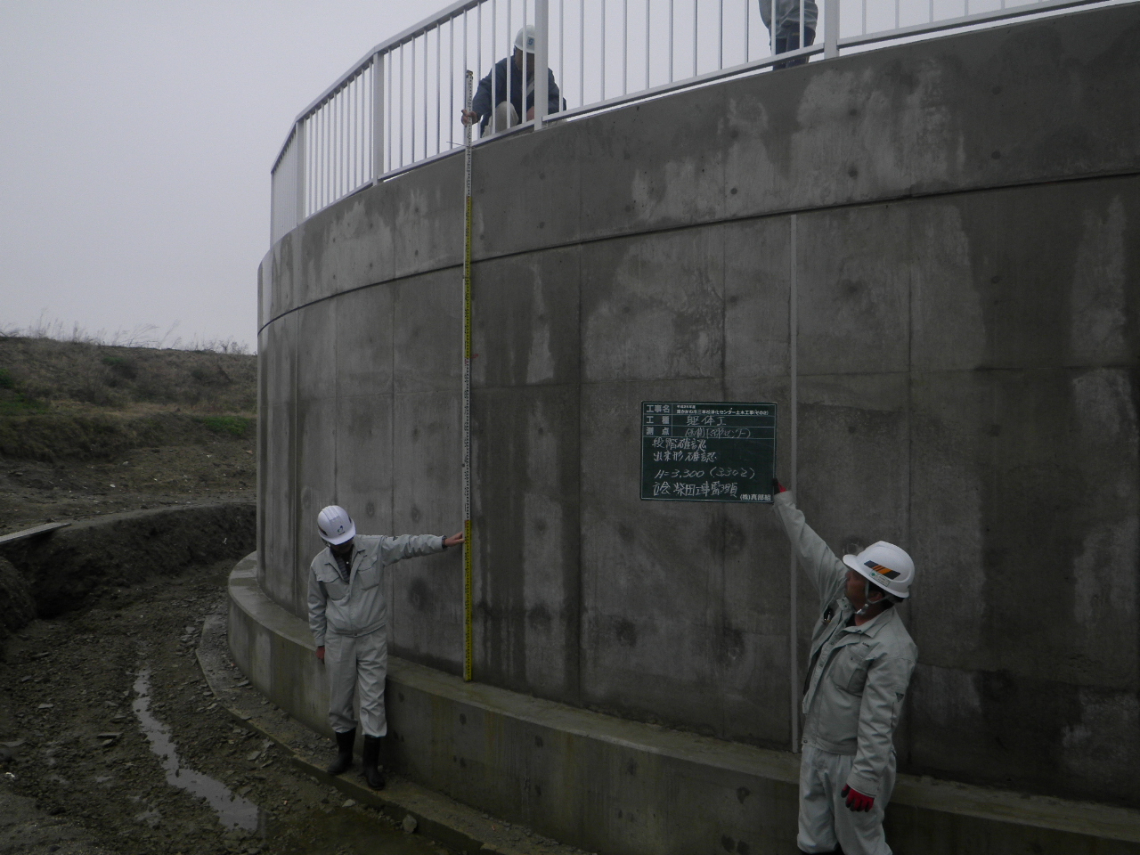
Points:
(344, 743)
(372, 773)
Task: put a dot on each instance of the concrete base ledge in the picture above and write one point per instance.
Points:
(616, 786)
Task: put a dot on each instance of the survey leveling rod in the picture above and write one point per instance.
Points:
(467, 582)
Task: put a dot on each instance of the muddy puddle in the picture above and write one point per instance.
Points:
(233, 811)
(305, 831)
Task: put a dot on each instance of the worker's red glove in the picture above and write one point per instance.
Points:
(856, 800)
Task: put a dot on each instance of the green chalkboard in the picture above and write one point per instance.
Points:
(707, 452)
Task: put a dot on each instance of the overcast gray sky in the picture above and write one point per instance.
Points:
(137, 138)
(135, 153)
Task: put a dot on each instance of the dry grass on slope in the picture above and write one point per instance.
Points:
(78, 400)
(89, 429)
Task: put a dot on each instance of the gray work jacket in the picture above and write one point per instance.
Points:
(357, 607)
(857, 675)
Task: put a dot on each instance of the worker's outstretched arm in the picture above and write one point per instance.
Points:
(822, 566)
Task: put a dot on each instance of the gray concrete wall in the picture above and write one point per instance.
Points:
(965, 217)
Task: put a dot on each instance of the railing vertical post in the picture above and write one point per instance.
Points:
(438, 92)
(670, 41)
(582, 53)
(412, 99)
(696, 29)
(402, 110)
(302, 155)
(747, 32)
(602, 39)
(624, 47)
(344, 128)
(495, 67)
(831, 29)
(647, 83)
(720, 36)
(377, 116)
(274, 213)
(541, 60)
(527, 84)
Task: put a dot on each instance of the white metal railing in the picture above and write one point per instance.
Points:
(400, 105)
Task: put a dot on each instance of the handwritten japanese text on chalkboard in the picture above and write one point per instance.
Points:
(708, 452)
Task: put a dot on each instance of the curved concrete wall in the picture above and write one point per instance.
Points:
(959, 223)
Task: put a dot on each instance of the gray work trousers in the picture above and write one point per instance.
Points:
(825, 820)
(357, 667)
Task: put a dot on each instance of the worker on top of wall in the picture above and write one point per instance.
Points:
(348, 616)
(505, 83)
(861, 661)
(785, 34)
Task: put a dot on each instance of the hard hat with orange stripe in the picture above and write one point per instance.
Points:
(885, 565)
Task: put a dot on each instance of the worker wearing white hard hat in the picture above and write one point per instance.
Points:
(508, 90)
(348, 617)
(860, 666)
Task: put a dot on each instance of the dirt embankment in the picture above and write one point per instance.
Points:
(87, 429)
(163, 442)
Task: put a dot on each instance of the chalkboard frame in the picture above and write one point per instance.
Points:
(698, 449)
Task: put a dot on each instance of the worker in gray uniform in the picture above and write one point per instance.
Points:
(860, 665)
(348, 616)
(785, 32)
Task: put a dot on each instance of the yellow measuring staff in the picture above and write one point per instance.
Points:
(468, 595)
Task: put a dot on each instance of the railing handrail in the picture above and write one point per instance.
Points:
(1002, 14)
(425, 26)
(337, 146)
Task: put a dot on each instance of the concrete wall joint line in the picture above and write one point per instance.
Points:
(720, 221)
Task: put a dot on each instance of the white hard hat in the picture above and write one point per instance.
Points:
(335, 525)
(525, 39)
(886, 565)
